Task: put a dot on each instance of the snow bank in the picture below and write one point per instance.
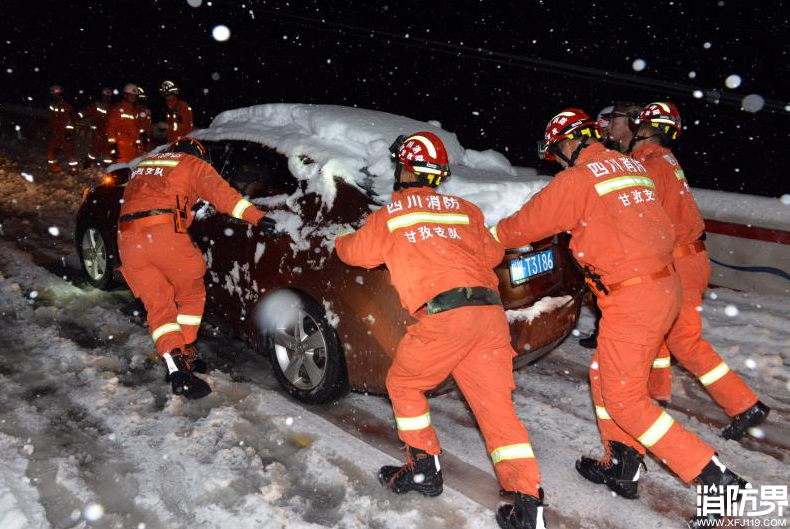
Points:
(327, 143)
(750, 210)
(541, 306)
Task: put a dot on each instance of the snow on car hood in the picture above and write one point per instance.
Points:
(325, 142)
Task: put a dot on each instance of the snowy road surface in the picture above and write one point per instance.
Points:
(90, 435)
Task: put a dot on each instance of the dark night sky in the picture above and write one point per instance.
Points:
(494, 103)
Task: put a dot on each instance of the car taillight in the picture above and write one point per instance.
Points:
(108, 180)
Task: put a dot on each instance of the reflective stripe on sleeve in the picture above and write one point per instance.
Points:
(410, 219)
(601, 413)
(239, 208)
(413, 423)
(622, 182)
(663, 361)
(714, 374)
(680, 174)
(519, 451)
(158, 163)
(657, 430)
(344, 233)
(187, 319)
(164, 329)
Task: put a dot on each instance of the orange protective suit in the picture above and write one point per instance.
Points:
(98, 114)
(684, 339)
(179, 120)
(164, 268)
(61, 135)
(433, 243)
(145, 124)
(123, 130)
(620, 231)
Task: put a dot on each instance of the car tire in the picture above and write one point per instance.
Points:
(303, 348)
(97, 257)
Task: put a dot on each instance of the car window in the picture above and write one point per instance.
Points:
(257, 171)
(217, 156)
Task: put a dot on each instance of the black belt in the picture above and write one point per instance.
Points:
(143, 214)
(462, 297)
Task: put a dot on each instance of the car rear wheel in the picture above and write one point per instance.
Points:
(97, 260)
(305, 353)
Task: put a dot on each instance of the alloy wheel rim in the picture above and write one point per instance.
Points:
(300, 349)
(94, 254)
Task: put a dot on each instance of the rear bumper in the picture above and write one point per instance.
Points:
(533, 340)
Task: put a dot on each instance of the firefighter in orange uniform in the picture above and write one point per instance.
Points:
(179, 113)
(61, 131)
(656, 126)
(123, 129)
(144, 121)
(161, 264)
(97, 113)
(441, 258)
(623, 239)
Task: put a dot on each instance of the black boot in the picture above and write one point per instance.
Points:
(525, 513)
(422, 473)
(181, 378)
(590, 342)
(715, 478)
(743, 421)
(191, 360)
(619, 470)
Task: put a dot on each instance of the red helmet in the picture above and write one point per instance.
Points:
(662, 115)
(190, 146)
(423, 154)
(568, 124)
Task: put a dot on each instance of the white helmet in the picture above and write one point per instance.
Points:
(131, 88)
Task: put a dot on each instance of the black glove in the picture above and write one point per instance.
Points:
(267, 226)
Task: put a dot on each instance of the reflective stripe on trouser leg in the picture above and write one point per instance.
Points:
(714, 374)
(601, 413)
(406, 424)
(164, 329)
(188, 319)
(517, 451)
(661, 362)
(657, 430)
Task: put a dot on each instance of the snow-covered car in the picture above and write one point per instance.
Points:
(317, 170)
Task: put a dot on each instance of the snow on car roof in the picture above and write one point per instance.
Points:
(353, 144)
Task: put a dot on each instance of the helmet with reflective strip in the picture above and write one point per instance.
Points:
(131, 89)
(142, 93)
(55, 90)
(661, 115)
(569, 124)
(423, 154)
(189, 146)
(169, 88)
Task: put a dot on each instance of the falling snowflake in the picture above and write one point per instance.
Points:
(731, 311)
(785, 199)
(221, 33)
(638, 65)
(54, 231)
(750, 363)
(289, 421)
(733, 81)
(692, 74)
(195, 3)
(698, 94)
(28, 177)
(753, 103)
(33, 294)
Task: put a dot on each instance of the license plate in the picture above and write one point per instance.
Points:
(528, 266)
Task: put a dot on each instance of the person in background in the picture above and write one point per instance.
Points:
(179, 113)
(123, 129)
(60, 131)
(98, 113)
(144, 121)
